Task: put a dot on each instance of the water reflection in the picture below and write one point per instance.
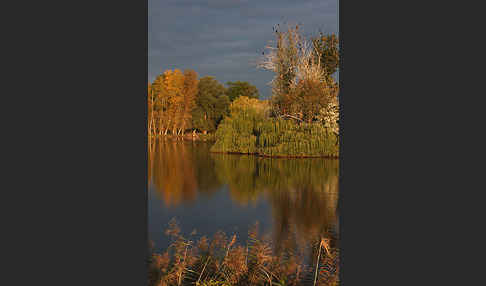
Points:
(173, 175)
(302, 194)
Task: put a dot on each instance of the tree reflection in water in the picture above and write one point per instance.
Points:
(303, 193)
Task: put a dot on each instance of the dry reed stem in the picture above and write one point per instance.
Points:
(197, 283)
(317, 263)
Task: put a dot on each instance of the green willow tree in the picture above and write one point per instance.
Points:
(250, 130)
(236, 133)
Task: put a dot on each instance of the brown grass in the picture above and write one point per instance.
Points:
(222, 261)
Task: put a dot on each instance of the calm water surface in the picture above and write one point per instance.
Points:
(293, 200)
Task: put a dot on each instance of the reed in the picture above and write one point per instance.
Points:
(222, 261)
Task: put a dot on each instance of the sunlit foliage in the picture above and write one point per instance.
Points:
(250, 130)
(171, 100)
(303, 82)
(236, 133)
(178, 101)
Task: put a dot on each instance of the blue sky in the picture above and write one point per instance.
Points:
(225, 38)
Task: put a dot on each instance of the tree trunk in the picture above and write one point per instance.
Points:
(183, 128)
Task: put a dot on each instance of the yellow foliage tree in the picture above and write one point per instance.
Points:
(189, 93)
(171, 100)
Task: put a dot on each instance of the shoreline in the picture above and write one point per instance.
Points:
(197, 137)
(276, 156)
(186, 137)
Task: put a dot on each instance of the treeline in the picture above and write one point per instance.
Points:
(180, 101)
(301, 118)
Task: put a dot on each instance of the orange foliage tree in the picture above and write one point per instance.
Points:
(171, 100)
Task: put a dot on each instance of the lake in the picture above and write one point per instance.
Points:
(293, 200)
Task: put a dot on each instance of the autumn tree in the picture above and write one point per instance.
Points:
(171, 100)
(159, 105)
(282, 59)
(211, 105)
(150, 109)
(189, 94)
(326, 47)
(303, 83)
(173, 91)
(241, 88)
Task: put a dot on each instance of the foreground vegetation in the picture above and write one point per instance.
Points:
(222, 261)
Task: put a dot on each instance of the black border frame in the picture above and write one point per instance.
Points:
(82, 218)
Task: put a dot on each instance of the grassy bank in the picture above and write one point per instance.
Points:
(222, 261)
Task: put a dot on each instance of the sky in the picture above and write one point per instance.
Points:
(225, 38)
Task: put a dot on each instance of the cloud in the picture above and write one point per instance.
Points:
(224, 38)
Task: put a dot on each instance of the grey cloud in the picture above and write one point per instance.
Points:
(224, 38)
